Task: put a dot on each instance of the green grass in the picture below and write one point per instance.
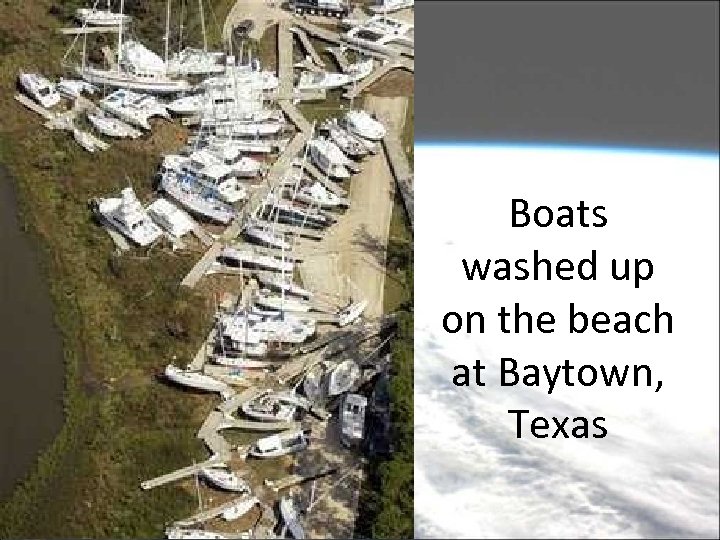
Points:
(121, 425)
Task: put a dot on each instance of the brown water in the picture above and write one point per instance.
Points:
(31, 360)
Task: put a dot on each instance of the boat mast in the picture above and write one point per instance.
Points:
(167, 33)
(120, 33)
(202, 22)
(182, 25)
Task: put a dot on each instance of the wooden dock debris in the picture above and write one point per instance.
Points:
(252, 425)
(202, 266)
(307, 45)
(295, 479)
(338, 54)
(35, 107)
(207, 515)
(88, 30)
(182, 473)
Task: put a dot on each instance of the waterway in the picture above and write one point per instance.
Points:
(31, 360)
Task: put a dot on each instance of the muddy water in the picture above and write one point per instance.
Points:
(31, 362)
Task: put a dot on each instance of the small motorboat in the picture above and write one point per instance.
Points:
(268, 407)
(361, 123)
(40, 89)
(73, 88)
(343, 378)
(288, 442)
(171, 218)
(127, 215)
(352, 419)
(225, 479)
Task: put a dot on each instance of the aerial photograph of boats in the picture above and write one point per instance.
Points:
(207, 216)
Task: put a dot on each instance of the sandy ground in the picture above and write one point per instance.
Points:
(349, 263)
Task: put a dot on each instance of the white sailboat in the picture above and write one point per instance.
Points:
(248, 258)
(352, 147)
(240, 508)
(195, 379)
(267, 300)
(225, 479)
(329, 158)
(136, 67)
(40, 89)
(198, 200)
(283, 284)
(127, 215)
(112, 127)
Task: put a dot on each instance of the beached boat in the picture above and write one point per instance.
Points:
(245, 363)
(359, 70)
(290, 516)
(269, 408)
(191, 61)
(178, 533)
(195, 198)
(195, 379)
(170, 217)
(112, 127)
(314, 382)
(318, 195)
(209, 172)
(225, 479)
(239, 329)
(322, 80)
(352, 419)
(134, 108)
(240, 508)
(329, 158)
(233, 157)
(362, 123)
(350, 145)
(388, 6)
(101, 17)
(127, 215)
(73, 89)
(268, 300)
(343, 377)
(248, 258)
(351, 313)
(264, 236)
(40, 89)
(283, 284)
(282, 444)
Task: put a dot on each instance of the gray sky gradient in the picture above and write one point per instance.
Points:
(609, 73)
